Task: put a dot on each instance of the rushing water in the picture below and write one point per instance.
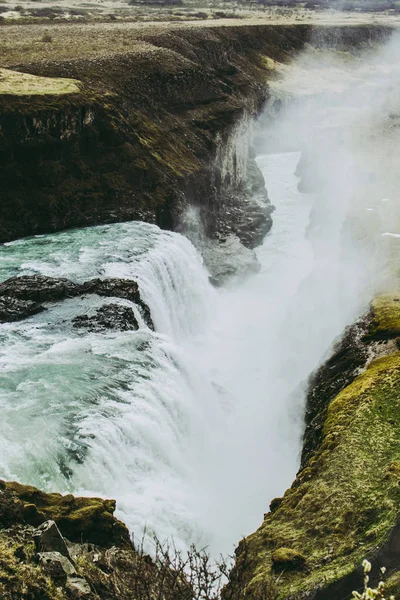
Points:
(193, 428)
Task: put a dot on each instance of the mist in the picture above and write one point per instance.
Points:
(328, 157)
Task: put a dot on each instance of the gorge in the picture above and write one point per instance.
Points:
(161, 355)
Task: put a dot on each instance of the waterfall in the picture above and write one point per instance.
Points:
(193, 428)
(196, 426)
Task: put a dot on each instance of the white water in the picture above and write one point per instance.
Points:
(194, 428)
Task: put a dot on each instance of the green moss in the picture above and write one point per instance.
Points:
(22, 580)
(386, 316)
(343, 506)
(287, 559)
(392, 587)
(79, 519)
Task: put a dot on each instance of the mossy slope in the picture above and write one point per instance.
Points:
(344, 505)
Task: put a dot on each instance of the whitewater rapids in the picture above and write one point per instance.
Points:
(195, 427)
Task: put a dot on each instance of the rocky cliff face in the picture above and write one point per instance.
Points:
(344, 504)
(149, 133)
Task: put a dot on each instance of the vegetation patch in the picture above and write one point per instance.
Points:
(23, 84)
(79, 518)
(385, 316)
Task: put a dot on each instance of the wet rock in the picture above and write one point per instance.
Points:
(109, 316)
(14, 309)
(245, 210)
(228, 257)
(48, 538)
(56, 566)
(19, 296)
(38, 288)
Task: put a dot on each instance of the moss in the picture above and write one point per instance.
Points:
(284, 559)
(385, 316)
(344, 505)
(22, 580)
(79, 519)
(22, 84)
(392, 587)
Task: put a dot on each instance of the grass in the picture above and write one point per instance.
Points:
(22, 84)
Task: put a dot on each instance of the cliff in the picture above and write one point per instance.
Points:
(142, 124)
(344, 504)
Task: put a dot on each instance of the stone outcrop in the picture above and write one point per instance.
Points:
(344, 505)
(23, 296)
(55, 547)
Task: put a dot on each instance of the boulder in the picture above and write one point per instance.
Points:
(109, 316)
(14, 309)
(56, 566)
(21, 297)
(77, 588)
(48, 538)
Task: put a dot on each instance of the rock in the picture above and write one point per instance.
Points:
(39, 288)
(14, 309)
(48, 538)
(19, 296)
(78, 587)
(287, 559)
(246, 212)
(275, 504)
(79, 519)
(228, 257)
(109, 316)
(56, 566)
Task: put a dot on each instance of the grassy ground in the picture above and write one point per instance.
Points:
(22, 84)
(51, 40)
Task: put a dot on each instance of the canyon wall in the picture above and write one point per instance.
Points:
(152, 130)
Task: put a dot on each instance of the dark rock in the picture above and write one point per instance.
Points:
(14, 309)
(39, 288)
(348, 357)
(242, 208)
(109, 316)
(275, 504)
(48, 538)
(19, 296)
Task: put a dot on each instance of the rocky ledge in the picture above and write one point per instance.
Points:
(344, 505)
(27, 295)
(55, 547)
